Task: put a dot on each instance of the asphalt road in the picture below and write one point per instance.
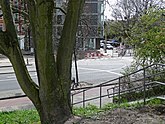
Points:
(8, 79)
(97, 71)
(94, 71)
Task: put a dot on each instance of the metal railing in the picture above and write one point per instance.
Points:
(118, 84)
(102, 93)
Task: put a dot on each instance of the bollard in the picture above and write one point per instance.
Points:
(27, 61)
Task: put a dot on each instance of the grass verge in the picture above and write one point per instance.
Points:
(31, 116)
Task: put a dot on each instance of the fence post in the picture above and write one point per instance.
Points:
(100, 96)
(76, 70)
(83, 98)
(27, 60)
(72, 99)
(113, 94)
(144, 86)
(119, 90)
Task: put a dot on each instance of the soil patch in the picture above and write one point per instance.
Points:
(143, 115)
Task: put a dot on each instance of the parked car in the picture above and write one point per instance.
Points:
(109, 47)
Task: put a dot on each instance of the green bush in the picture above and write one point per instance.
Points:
(155, 101)
(133, 96)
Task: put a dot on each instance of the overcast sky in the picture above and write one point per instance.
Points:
(108, 10)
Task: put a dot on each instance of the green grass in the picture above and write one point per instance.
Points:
(132, 96)
(19, 117)
(31, 116)
(89, 110)
(155, 101)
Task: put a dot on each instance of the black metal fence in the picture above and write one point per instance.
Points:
(138, 81)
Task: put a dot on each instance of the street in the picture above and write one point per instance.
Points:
(96, 71)
(93, 71)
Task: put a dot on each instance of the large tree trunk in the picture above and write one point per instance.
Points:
(54, 76)
(51, 96)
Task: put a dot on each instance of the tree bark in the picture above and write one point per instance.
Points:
(52, 96)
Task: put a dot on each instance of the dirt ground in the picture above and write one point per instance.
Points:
(144, 115)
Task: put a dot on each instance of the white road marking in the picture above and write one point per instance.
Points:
(13, 78)
(7, 80)
(100, 70)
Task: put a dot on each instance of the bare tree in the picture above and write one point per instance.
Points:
(127, 13)
(51, 96)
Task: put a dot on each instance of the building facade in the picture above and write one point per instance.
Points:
(21, 23)
(1, 21)
(90, 29)
(91, 24)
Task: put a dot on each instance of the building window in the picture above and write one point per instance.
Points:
(91, 0)
(91, 8)
(89, 20)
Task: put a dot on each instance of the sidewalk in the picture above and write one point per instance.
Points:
(15, 104)
(25, 103)
(4, 61)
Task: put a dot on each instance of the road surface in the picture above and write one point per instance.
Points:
(93, 71)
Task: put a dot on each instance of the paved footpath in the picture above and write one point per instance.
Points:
(25, 103)
(15, 104)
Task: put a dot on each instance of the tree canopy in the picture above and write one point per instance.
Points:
(148, 36)
(141, 24)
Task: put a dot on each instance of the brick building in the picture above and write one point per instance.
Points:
(2, 26)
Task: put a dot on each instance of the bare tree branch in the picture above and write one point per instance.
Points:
(71, 21)
(3, 43)
(17, 10)
(62, 10)
(7, 16)
(9, 46)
